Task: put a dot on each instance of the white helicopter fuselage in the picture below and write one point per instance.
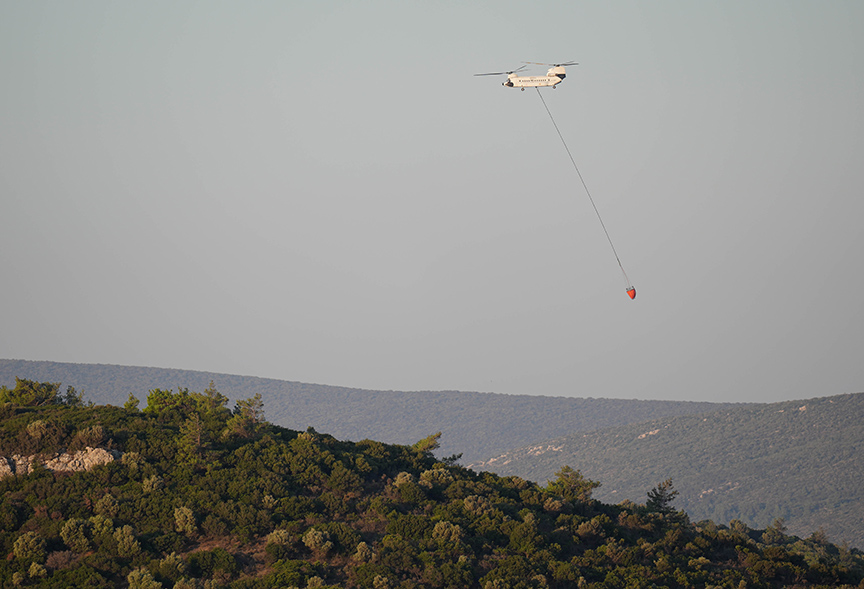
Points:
(553, 77)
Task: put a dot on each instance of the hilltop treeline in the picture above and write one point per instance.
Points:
(479, 425)
(206, 496)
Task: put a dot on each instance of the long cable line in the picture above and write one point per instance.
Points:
(630, 290)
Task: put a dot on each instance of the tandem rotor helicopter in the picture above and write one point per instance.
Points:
(553, 77)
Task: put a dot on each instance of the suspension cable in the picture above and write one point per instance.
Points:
(588, 192)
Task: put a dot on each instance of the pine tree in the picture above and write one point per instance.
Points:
(660, 497)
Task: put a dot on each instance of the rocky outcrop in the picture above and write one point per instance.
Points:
(21, 464)
(6, 468)
(78, 461)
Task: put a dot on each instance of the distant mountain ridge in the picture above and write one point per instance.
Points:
(478, 425)
(799, 460)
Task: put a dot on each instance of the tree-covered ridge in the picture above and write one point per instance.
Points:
(478, 425)
(204, 496)
(800, 460)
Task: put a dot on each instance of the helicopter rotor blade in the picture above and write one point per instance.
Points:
(519, 69)
(552, 64)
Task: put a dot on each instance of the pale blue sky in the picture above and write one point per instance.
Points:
(323, 192)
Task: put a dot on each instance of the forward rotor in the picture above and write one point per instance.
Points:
(552, 64)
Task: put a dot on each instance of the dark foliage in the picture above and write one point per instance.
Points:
(196, 502)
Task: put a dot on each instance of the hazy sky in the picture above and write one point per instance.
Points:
(323, 192)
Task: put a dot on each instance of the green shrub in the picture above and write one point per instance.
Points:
(29, 547)
(208, 563)
(74, 534)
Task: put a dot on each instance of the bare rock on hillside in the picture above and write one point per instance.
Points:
(82, 460)
(6, 468)
(79, 461)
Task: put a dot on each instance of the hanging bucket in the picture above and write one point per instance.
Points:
(631, 292)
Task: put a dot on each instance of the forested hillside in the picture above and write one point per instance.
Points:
(477, 425)
(200, 496)
(800, 460)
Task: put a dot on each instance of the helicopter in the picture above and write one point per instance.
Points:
(553, 77)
